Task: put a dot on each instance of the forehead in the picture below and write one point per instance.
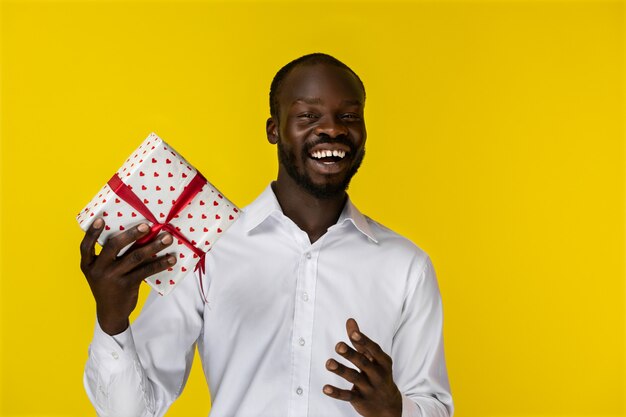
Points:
(320, 81)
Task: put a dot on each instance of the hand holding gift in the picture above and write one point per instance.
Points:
(115, 281)
(154, 200)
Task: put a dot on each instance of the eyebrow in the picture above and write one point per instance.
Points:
(317, 100)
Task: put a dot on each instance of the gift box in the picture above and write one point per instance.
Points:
(157, 186)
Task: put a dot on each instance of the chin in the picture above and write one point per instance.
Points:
(324, 191)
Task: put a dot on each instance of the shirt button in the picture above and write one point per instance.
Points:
(308, 255)
(305, 297)
(301, 341)
(299, 391)
(115, 355)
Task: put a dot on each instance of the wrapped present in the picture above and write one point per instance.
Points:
(156, 185)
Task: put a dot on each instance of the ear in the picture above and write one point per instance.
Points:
(271, 128)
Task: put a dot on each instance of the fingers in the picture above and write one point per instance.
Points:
(352, 326)
(341, 394)
(373, 391)
(158, 265)
(88, 244)
(374, 372)
(138, 256)
(113, 246)
(367, 346)
(349, 374)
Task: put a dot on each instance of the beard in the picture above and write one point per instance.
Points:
(320, 191)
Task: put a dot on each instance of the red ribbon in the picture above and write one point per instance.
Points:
(188, 194)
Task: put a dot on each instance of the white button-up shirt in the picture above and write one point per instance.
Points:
(276, 306)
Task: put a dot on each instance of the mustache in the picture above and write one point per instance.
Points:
(343, 140)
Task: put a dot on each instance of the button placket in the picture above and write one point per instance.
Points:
(302, 330)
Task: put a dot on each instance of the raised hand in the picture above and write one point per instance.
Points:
(373, 393)
(114, 280)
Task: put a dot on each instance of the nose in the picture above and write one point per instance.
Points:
(329, 126)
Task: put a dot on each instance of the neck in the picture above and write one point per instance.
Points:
(311, 214)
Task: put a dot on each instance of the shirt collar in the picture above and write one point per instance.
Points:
(351, 214)
(261, 209)
(266, 206)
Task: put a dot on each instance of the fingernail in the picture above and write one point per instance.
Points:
(328, 390)
(171, 260)
(143, 228)
(98, 223)
(356, 336)
(341, 348)
(331, 364)
(166, 240)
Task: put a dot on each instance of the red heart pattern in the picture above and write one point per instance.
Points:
(157, 179)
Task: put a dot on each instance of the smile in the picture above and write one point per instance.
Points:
(328, 154)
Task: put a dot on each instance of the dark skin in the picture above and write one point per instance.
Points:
(326, 100)
(315, 102)
(115, 281)
(373, 391)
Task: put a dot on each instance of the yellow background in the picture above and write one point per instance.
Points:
(496, 143)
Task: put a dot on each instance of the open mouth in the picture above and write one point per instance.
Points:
(328, 156)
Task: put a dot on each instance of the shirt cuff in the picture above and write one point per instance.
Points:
(409, 408)
(114, 352)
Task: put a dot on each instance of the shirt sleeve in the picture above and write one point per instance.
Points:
(141, 371)
(419, 366)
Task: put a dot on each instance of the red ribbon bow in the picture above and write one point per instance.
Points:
(188, 194)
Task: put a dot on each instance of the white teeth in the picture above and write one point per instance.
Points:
(328, 153)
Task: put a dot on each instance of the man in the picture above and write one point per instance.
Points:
(285, 287)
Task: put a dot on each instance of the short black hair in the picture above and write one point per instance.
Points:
(310, 59)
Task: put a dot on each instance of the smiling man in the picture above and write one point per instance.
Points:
(312, 309)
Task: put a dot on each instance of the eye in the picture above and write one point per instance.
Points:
(307, 115)
(351, 116)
